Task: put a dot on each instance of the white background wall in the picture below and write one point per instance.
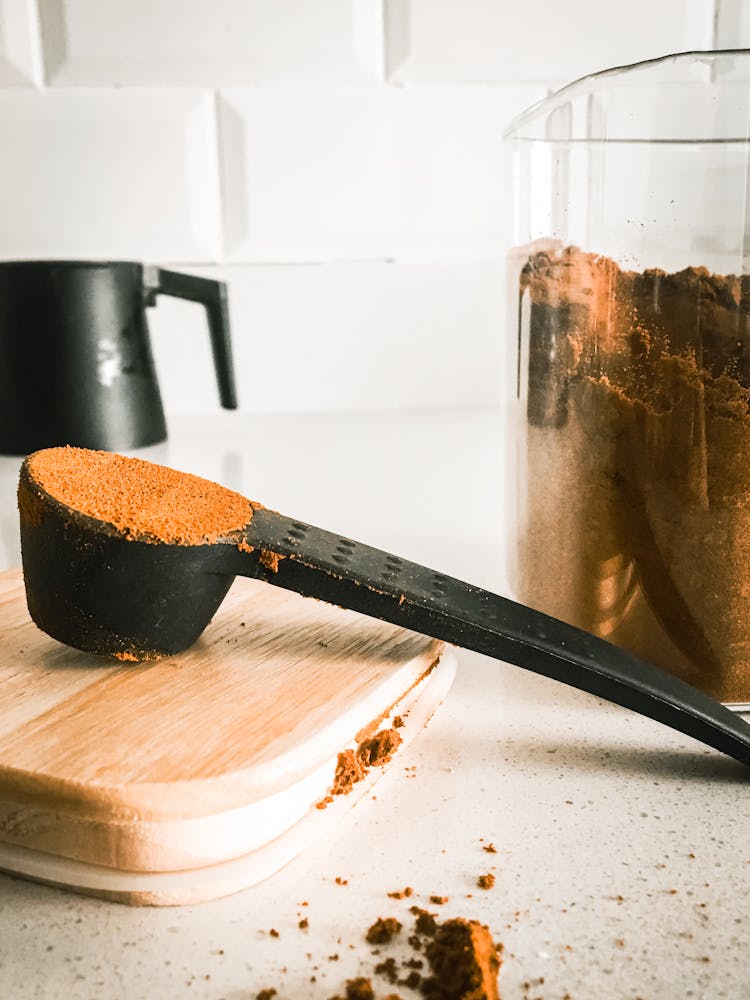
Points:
(338, 162)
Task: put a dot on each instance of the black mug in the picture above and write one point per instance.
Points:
(75, 358)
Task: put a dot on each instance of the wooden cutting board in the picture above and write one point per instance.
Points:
(197, 775)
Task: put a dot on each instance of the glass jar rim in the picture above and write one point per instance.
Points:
(590, 80)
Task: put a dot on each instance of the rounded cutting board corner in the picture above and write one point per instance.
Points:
(196, 776)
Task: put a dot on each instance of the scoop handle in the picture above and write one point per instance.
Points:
(321, 564)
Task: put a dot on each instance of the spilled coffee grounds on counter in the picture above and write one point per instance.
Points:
(635, 518)
(455, 959)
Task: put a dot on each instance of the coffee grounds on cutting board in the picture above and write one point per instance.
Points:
(352, 765)
(139, 499)
(637, 431)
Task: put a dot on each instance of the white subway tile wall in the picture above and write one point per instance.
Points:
(108, 43)
(20, 56)
(501, 41)
(337, 162)
(121, 173)
(324, 174)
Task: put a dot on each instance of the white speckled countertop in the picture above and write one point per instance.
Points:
(623, 864)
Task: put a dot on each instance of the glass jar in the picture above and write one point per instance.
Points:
(628, 375)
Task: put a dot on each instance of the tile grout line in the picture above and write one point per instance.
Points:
(384, 43)
(715, 23)
(39, 74)
(220, 176)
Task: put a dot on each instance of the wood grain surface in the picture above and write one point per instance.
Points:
(190, 760)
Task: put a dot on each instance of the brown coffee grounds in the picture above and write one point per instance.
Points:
(349, 770)
(274, 933)
(126, 656)
(353, 765)
(635, 406)
(463, 961)
(439, 900)
(402, 893)
(357, 989)
(486, 881)
(425, 924)
(387, 969)
(341, 881)
(270, 559)
(139, 499)
(268, 994)
(303, 924)
(412, 980)
(383, 930)
(380, 748)
(490, 848)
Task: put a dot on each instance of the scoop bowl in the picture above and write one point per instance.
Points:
(90, 587)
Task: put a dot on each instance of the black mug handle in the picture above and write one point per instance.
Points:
(213, 295)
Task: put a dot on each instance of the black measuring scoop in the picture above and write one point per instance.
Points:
(105, 590)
